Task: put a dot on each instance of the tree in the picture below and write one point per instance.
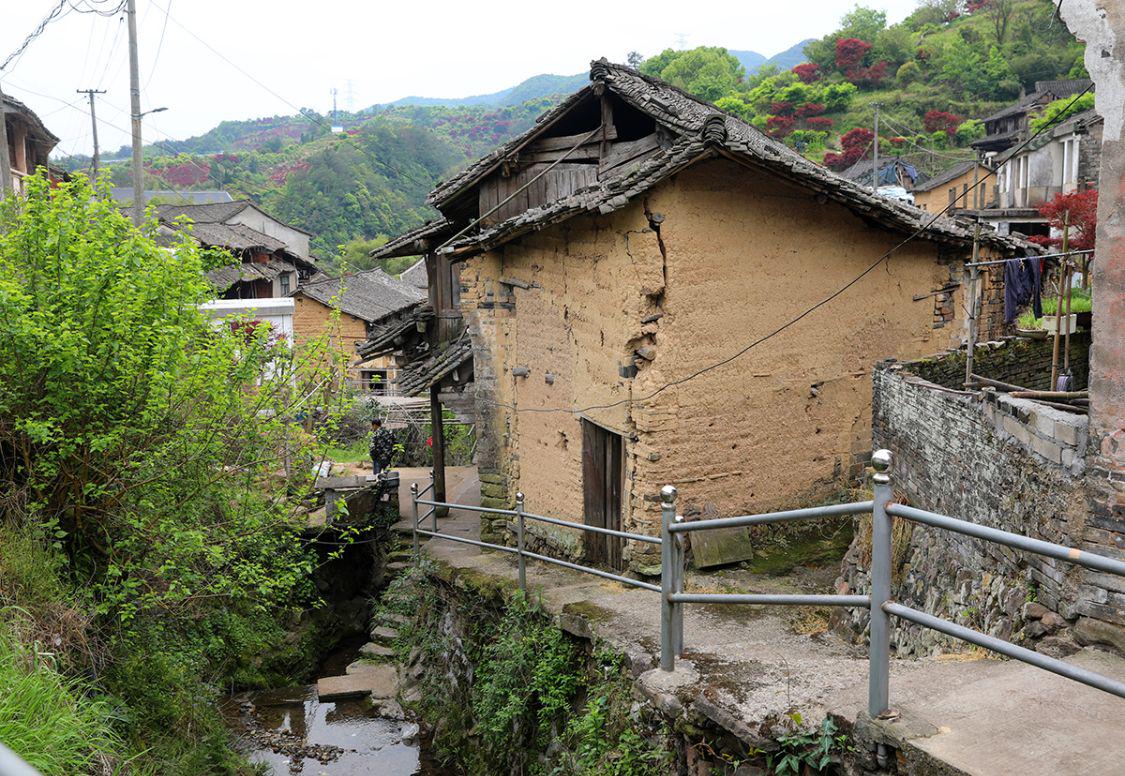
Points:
(941, 121)
(863, 23)
(850, 53)
(807, 72)
(634, 59)
(1079, 209)
(709, 73)
(1000, 11)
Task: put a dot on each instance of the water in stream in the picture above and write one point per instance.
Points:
(295, 734)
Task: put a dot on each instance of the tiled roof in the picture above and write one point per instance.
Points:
(368, 296)
(416, 275)
(226, 276)
(405, 244)
(945, 176)
(701, 131)
(206, 213)
(12, 105)
(418, 375)
(235, 237)
(388, 334)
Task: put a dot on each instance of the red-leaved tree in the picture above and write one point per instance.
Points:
(781, 107)
(810, 109)
(819, 123)
(850, 52)
(780, 126)
(940, 120)
(855, 143)
(807, 71)
(1080, 210)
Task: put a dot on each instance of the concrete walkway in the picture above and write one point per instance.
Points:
(744, 666)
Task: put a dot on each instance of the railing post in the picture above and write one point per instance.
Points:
(521, 560)
(433, 497)
(678, 587)
(414, 522)
(667, 577)
(879, 649)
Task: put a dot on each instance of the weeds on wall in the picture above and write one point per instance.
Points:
(504, 690)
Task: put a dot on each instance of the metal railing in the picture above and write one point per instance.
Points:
(878, 602)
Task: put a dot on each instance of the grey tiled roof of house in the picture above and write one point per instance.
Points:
(699, 130)
(234, 236)
(367, 295)
(12, 105)
(946, 175)
(405, 244)
(417, 376)
(415, 275)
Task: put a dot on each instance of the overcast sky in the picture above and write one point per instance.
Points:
(380, 51)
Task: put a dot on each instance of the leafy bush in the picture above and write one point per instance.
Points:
(1060, 110)
(151, 454)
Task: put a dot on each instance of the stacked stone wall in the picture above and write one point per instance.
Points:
(1012, 464)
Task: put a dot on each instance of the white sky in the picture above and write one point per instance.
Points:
(386, 50)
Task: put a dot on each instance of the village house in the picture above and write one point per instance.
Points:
(275, 258)
(1062, 160)
(1008, 126)
(606, 260)
(29, 141)
(963, 188)
(363, 299)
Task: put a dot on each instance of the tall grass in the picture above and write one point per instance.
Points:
(48, 719)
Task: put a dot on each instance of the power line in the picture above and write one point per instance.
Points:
(159, 46)
(792, 321)
(57, 12)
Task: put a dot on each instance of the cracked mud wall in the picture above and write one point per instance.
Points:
(739, 254)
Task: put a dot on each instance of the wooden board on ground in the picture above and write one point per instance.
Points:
(721, 547)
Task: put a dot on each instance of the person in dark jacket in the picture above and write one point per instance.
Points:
(382, 446)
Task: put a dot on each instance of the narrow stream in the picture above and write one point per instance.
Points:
(294, 734)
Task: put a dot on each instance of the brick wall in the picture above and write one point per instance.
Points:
(1009, 463)
(1018, 361)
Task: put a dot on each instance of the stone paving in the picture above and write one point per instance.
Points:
(746, 667)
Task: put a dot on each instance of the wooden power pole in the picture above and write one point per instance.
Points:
(94, 126)
(135, 110)
(5, 162)
(875, 175)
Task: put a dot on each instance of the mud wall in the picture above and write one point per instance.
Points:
(604, 310)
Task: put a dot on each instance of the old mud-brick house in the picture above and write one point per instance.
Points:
(604, 261)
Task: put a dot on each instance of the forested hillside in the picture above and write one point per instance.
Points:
(934, 75)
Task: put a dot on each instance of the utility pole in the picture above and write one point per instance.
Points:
(5, 162)
(135, 109)
(875, 175)
(94, 125)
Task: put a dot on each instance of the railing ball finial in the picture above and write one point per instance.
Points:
(668, 495)
(519, 496)
(881, 461)
(414, 489)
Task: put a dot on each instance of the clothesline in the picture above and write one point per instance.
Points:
(1022, 258)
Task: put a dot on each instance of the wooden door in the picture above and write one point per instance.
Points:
(602, 481)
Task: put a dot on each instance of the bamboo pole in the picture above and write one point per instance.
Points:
(1050, 394)
(974, 305)
(1059, 302)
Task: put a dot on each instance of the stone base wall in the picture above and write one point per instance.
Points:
(1022, 362)
(1012, 464)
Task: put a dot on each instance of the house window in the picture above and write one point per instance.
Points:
(285, 284)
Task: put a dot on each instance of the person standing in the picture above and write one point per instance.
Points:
(382, 446)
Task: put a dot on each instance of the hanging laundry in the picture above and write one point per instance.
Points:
(1022, 282)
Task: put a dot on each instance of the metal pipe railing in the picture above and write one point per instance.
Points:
(11, 764)
(1029, 656)
(767, 518)
(635, 537)
(673, 530)
(1018, 541)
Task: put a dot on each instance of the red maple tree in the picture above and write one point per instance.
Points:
(1080, 210)
(807, 71)
(940, 120)
(850, 52)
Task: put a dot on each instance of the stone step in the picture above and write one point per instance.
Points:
(378, 680)
(373, 650)
(384, 633)
(395, 617)
(398, 565)
(406, 554)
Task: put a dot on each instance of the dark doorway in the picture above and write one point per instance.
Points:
(603, 473)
